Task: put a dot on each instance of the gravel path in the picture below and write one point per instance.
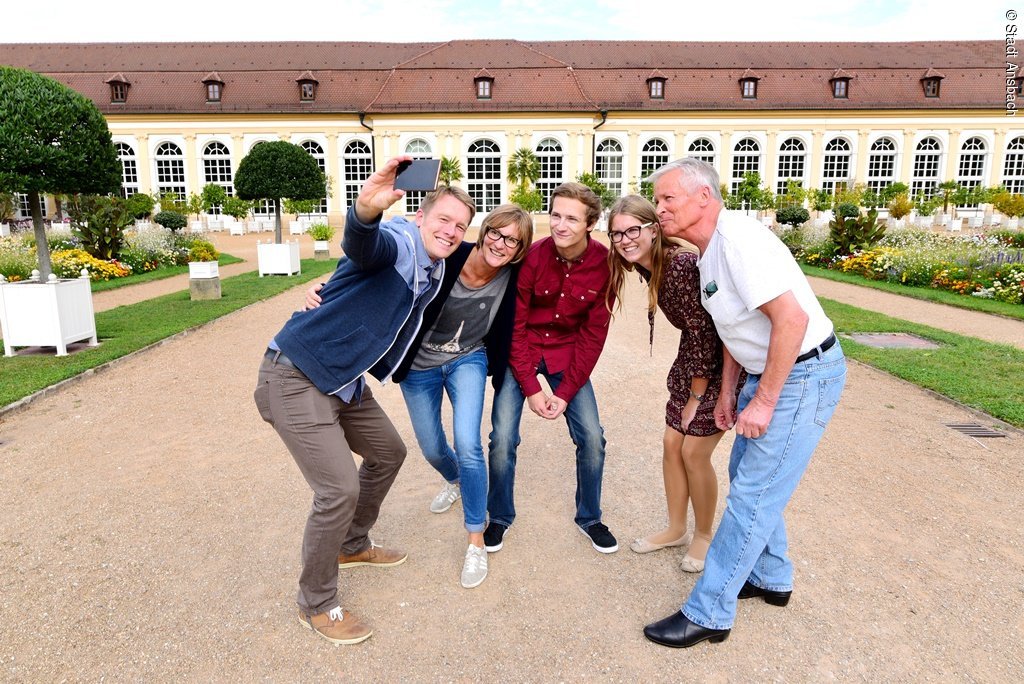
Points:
(150, 527)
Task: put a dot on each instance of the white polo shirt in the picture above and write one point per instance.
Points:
(744, 266)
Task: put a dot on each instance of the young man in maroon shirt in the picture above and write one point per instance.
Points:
(560, 329)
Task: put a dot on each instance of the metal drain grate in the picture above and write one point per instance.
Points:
(974, 430)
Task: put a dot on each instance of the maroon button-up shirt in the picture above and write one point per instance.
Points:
(561, 317)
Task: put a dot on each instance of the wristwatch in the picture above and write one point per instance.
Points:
(698, 397)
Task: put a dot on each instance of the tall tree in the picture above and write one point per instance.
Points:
(275, 170)
(52, 140)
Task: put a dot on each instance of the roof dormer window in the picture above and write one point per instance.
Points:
(214, 87)
(841, 88)
(307, 86)
(118, 88)
(656, 85)
(484, 84)
(748, 84)
(930, 82)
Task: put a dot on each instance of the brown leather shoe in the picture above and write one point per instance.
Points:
(337, 626)
(375, 555)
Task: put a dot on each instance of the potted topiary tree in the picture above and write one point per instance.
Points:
(523, 171)
(171, 220)
(270, 171)
(899, 206)
(52, 140)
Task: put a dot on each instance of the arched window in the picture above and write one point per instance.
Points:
(609, 165)
(483, 174)
(653, 156)
(217, 169)
(129, 169)
(746, 158)
(925, 174)
(357, 163)
(316, 151)
(417, 148)
(1013, 166)
(552, 165)
(835, 170)
(792, 158)
(702, 149)
(881, 164)
(971, 168)
(170, 170)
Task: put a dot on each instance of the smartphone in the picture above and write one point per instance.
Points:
(418, 174)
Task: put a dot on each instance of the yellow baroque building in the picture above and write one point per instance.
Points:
(824, 114)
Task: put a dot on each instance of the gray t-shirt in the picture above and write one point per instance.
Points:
(464, 320)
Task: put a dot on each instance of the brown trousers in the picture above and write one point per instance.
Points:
(321, 432)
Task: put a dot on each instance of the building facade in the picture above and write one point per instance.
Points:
(823, 114)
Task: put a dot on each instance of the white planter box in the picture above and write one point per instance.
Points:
(5, 230)
(203, 269)
(274, 259)
(321, 245)
(50, 314)
(1013, 222)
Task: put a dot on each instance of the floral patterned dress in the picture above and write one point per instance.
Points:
(700, 349)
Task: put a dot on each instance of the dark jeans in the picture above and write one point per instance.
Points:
(321, 432)
(587, 434)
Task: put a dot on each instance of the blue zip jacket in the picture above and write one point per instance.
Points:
(368, 317)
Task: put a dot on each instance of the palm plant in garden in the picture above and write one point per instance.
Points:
(52, 140)
(451, 172)
(523, 171)
(275, 170)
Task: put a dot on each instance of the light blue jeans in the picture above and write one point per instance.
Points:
(750, 544)
(587, 434)
(464, 379)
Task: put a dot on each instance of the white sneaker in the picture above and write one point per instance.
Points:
(474, 570)
(445, 498)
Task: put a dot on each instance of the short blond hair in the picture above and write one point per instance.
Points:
(449, 191)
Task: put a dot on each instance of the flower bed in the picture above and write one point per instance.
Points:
(983, 265)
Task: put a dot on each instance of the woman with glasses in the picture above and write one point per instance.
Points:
(465, 336)
(694, 381)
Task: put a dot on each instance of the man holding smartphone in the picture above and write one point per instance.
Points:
(560, 329)
(312, 391)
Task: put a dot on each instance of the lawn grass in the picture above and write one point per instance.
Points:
(926, 293)
(126, 329)
(980, 374)
(158, 274)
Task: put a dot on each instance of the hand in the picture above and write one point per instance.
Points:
(725, 410)
(556, 407)
(689, 411)
(538, 403)
(312, 298)
(378, 192)
(753, 421)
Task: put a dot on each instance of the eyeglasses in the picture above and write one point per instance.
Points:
(493, 234)
(633, 232)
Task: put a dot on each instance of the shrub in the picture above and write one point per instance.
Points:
(140, 205)
(202, 250)
(320, 231)
(792, 215)
(900, 206)
(529, 199)
(847, 210)
(139, 260)
(171, 220)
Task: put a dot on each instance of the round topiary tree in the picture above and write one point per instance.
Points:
(273, 170)
(171, 220)
(52, 140)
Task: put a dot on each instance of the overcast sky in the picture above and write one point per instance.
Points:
(438, 20)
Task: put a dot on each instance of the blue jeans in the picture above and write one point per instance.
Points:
(464, 379)
(750, 544)
(585, 430)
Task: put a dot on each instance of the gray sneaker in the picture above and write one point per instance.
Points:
(474, 570)
(445, 498)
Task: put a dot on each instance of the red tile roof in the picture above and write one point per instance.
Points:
(528, 76)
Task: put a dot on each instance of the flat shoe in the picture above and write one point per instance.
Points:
(641, 545)
(691, 564)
